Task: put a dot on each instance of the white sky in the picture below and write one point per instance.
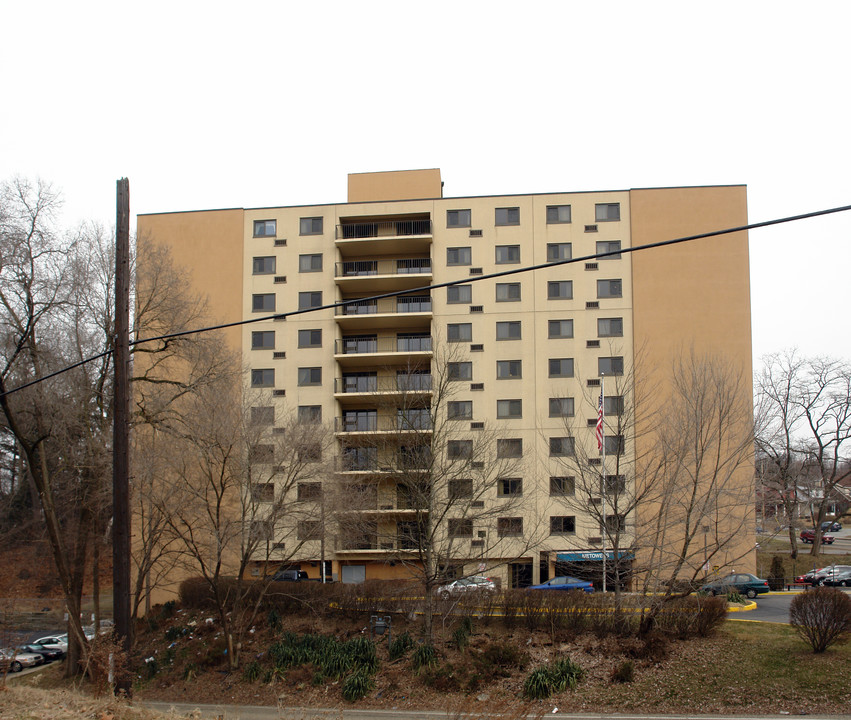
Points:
(214, 104)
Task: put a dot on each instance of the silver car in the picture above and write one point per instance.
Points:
(476, 583)
(17, 661)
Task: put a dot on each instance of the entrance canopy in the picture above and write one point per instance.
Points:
(592, 556)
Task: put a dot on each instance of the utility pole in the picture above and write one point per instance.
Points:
(120, 436)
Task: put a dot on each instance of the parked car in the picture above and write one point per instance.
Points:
(476, 583)
(827, 573)
(47, 652)
(566, 583)
(841, 578)
(808, 577)
(809, 536)
(831, 525)
(17, 661)
(742, 583)
(290, 576)
(54, 641)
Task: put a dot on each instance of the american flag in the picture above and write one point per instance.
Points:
(599, 429)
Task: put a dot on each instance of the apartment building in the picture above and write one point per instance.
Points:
(515, 362)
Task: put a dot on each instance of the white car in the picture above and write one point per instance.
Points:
(476, 583)
(54, 641)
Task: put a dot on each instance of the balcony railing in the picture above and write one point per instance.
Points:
(404, 304)
(372, 383)
(365, 268)
(383, 423)
(372, 462)
(383, 228)
(382, 344)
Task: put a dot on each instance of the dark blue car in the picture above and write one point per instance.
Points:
(565, 582)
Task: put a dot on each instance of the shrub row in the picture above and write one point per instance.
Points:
(547, 611)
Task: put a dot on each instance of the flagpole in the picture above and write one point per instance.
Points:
(602, 413)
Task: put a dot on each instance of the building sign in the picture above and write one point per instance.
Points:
(592, 556)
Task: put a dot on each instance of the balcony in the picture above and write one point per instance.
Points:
(385, 312)
(383, 236)
(372, 350)
(368, 461)
(383, 275)
(414, 420)
(358, 384)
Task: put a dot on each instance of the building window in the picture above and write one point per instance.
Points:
(459, 332)
(507, 216)
(263, 265)
(509, 526)
(509, 448)
(562, 485)
(560, 290)
(309, 491)
(263, 340)
(562, 525)
(615, 484)
(263, 378)
(263, 302)
(614, 524)
(310, 453)
(459, 371)
(607, 212)
(507, 292)
(561, 446)
(609, 327)
(509, 369)
(561, 407)
(261, 531)
(310, 338)
(507, 254)
(609, 289)
(309, 414)
(606, 246)
(614, 444)
(508, 330)
(308, 300)
(509, 487)
(309, 376)
(506, 409)
(458, 218)
(261, 454)
(610, 365)
(561, 367)
(308, 529)
(560, 329)
(310, 226)
(559, 251)
(558, 214)
(613, 405)
(459, 409)
(264, 415)
(456, 294)
(265, 228)
(310, 263)
(460, 527)
(459, 256)
(460, 488)
(459, 449)
(263, 492)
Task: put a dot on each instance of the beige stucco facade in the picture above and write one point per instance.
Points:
(397, 232)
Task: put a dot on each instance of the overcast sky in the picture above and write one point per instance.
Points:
(213, 104)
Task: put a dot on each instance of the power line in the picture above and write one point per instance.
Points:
(435, 286)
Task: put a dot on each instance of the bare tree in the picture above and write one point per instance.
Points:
(456, 492)
(232, 497)
(705, 481)
(609, 497)
(803, 432)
